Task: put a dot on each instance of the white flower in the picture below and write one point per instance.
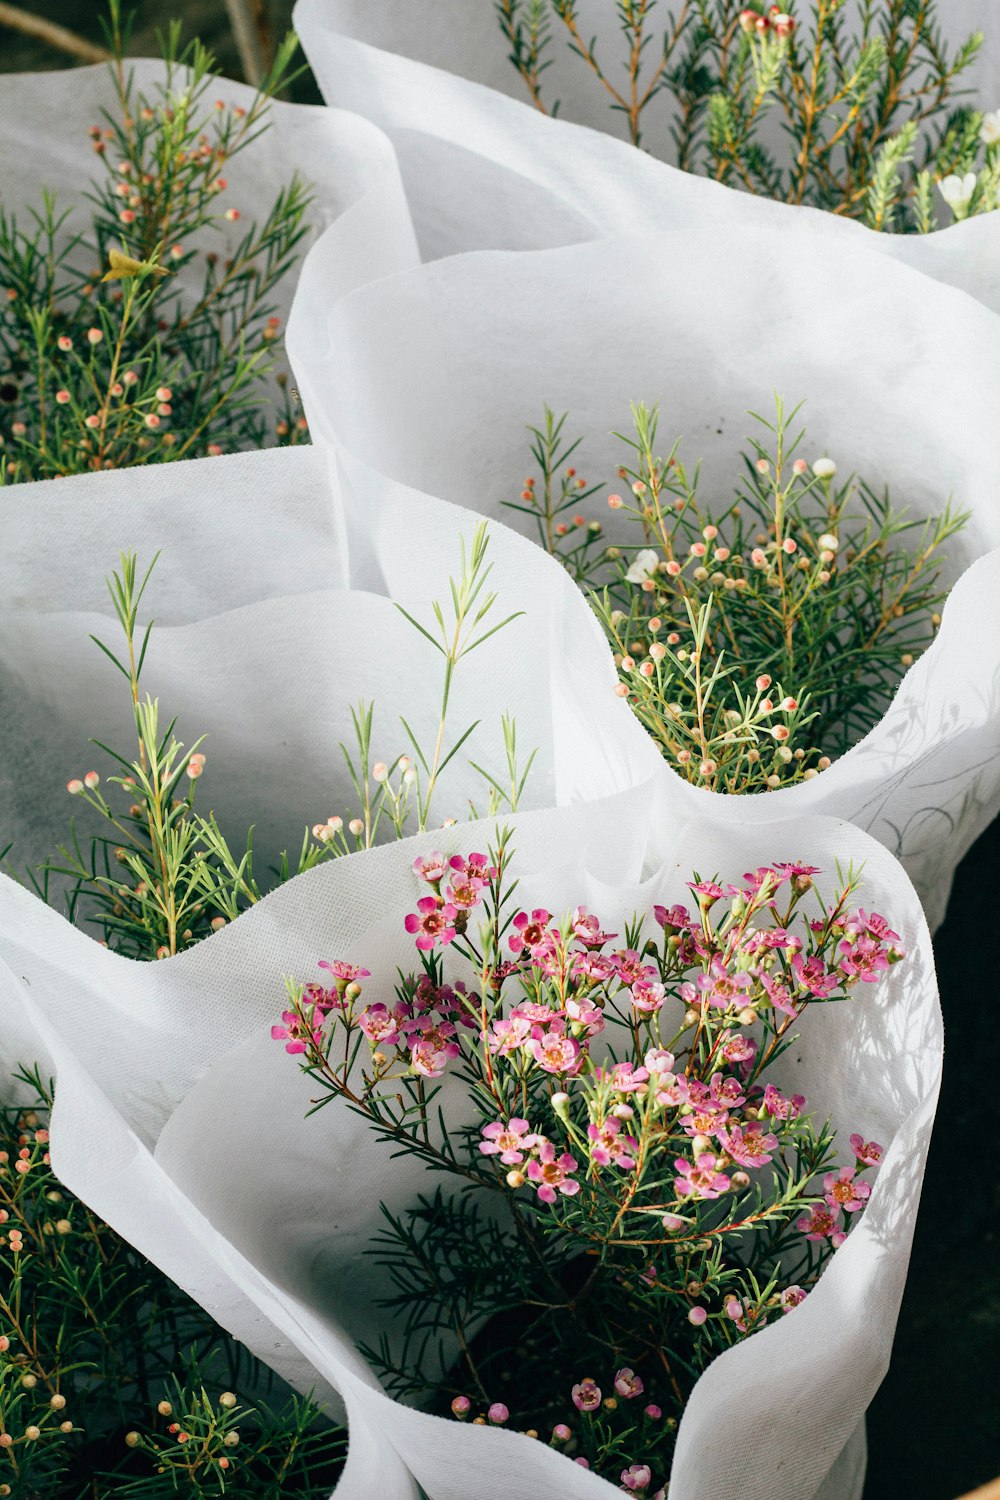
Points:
(989, 130)
(643, 567)
(957, 191)
(824, 468)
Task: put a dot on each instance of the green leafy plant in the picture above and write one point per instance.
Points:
(106, 1365)
(161, 875)
(130, 342)
(757, 640)
(862, 104)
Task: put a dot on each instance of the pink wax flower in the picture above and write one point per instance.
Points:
(556, 1053)
(508, 1034)
(707, 1119)
(779, 995)
(812, 975)
(872, 923)
(465, 891)
(727, 1091)
(842, 1191)
(699, 1179)
(509, 1142)
(587, 929)
(779, 1107)
(552, 1174)
(432, 1047)
(739, 1049)
(532, 933)
(821, 1223)
(294, 1033)
(347, 973)
(865, 959)
(628, 1384)
(707, 892)
(537, 1014)
(795, 871)
(647, 997)
(721, 989)
(671, 1091)
(869, 1153)
(630, 968)
(791, 1297)
(637, 1477)
(320, 998)
(595, 967)
(627, 1079)
(750, 1145)
(587, 1395)
(380, 1025)
(676, 918)
(430, 867)
(609, 1147)
(475, 867)
(434, 921)
(498, 1414)
(658, 1060)
(585, 1017)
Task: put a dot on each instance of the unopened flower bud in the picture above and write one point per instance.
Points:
(356, 826)
(227, 1399)
(747, 1016)
(74, 787)
(380, 771)
(515, 1179)
(498, 1413)
(697, 1316)
(460, 1407)
(165, 1409)
(824, 468)
(133, 1439)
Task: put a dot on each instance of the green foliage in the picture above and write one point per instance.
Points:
(128, 342)
(849, 99)
(754, 640)
(161, 876)
(100, 1354)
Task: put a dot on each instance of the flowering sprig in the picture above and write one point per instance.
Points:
(104, 1362)
(755, 643)
(106, 358)
(161, 876)
(861, 99)
(666, 1192)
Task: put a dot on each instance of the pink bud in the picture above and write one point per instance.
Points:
(748, 20)
(65, 344)
(460, 1406)
(232, 214)
(697, 1316)
(789, 545)
(92, 421)
(151, 419)
(762, 466)
(615, 502)
(673, 568)
(800, 466)
(74, 787)
(763, 683)
(561, 1433)
(62, 397)
(498, 1413)
(91, 780)
(164, 393)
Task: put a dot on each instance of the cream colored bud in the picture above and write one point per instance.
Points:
(227, 1399)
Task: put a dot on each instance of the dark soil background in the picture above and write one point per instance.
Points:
(934, 1427)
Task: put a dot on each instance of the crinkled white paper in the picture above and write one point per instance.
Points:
(177, 1118)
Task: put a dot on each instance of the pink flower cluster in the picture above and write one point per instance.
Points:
(438, 918)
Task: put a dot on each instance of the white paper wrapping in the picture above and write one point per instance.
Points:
(646, 283)
(177, 1118)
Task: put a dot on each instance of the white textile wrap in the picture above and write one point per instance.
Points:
(433, 374)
